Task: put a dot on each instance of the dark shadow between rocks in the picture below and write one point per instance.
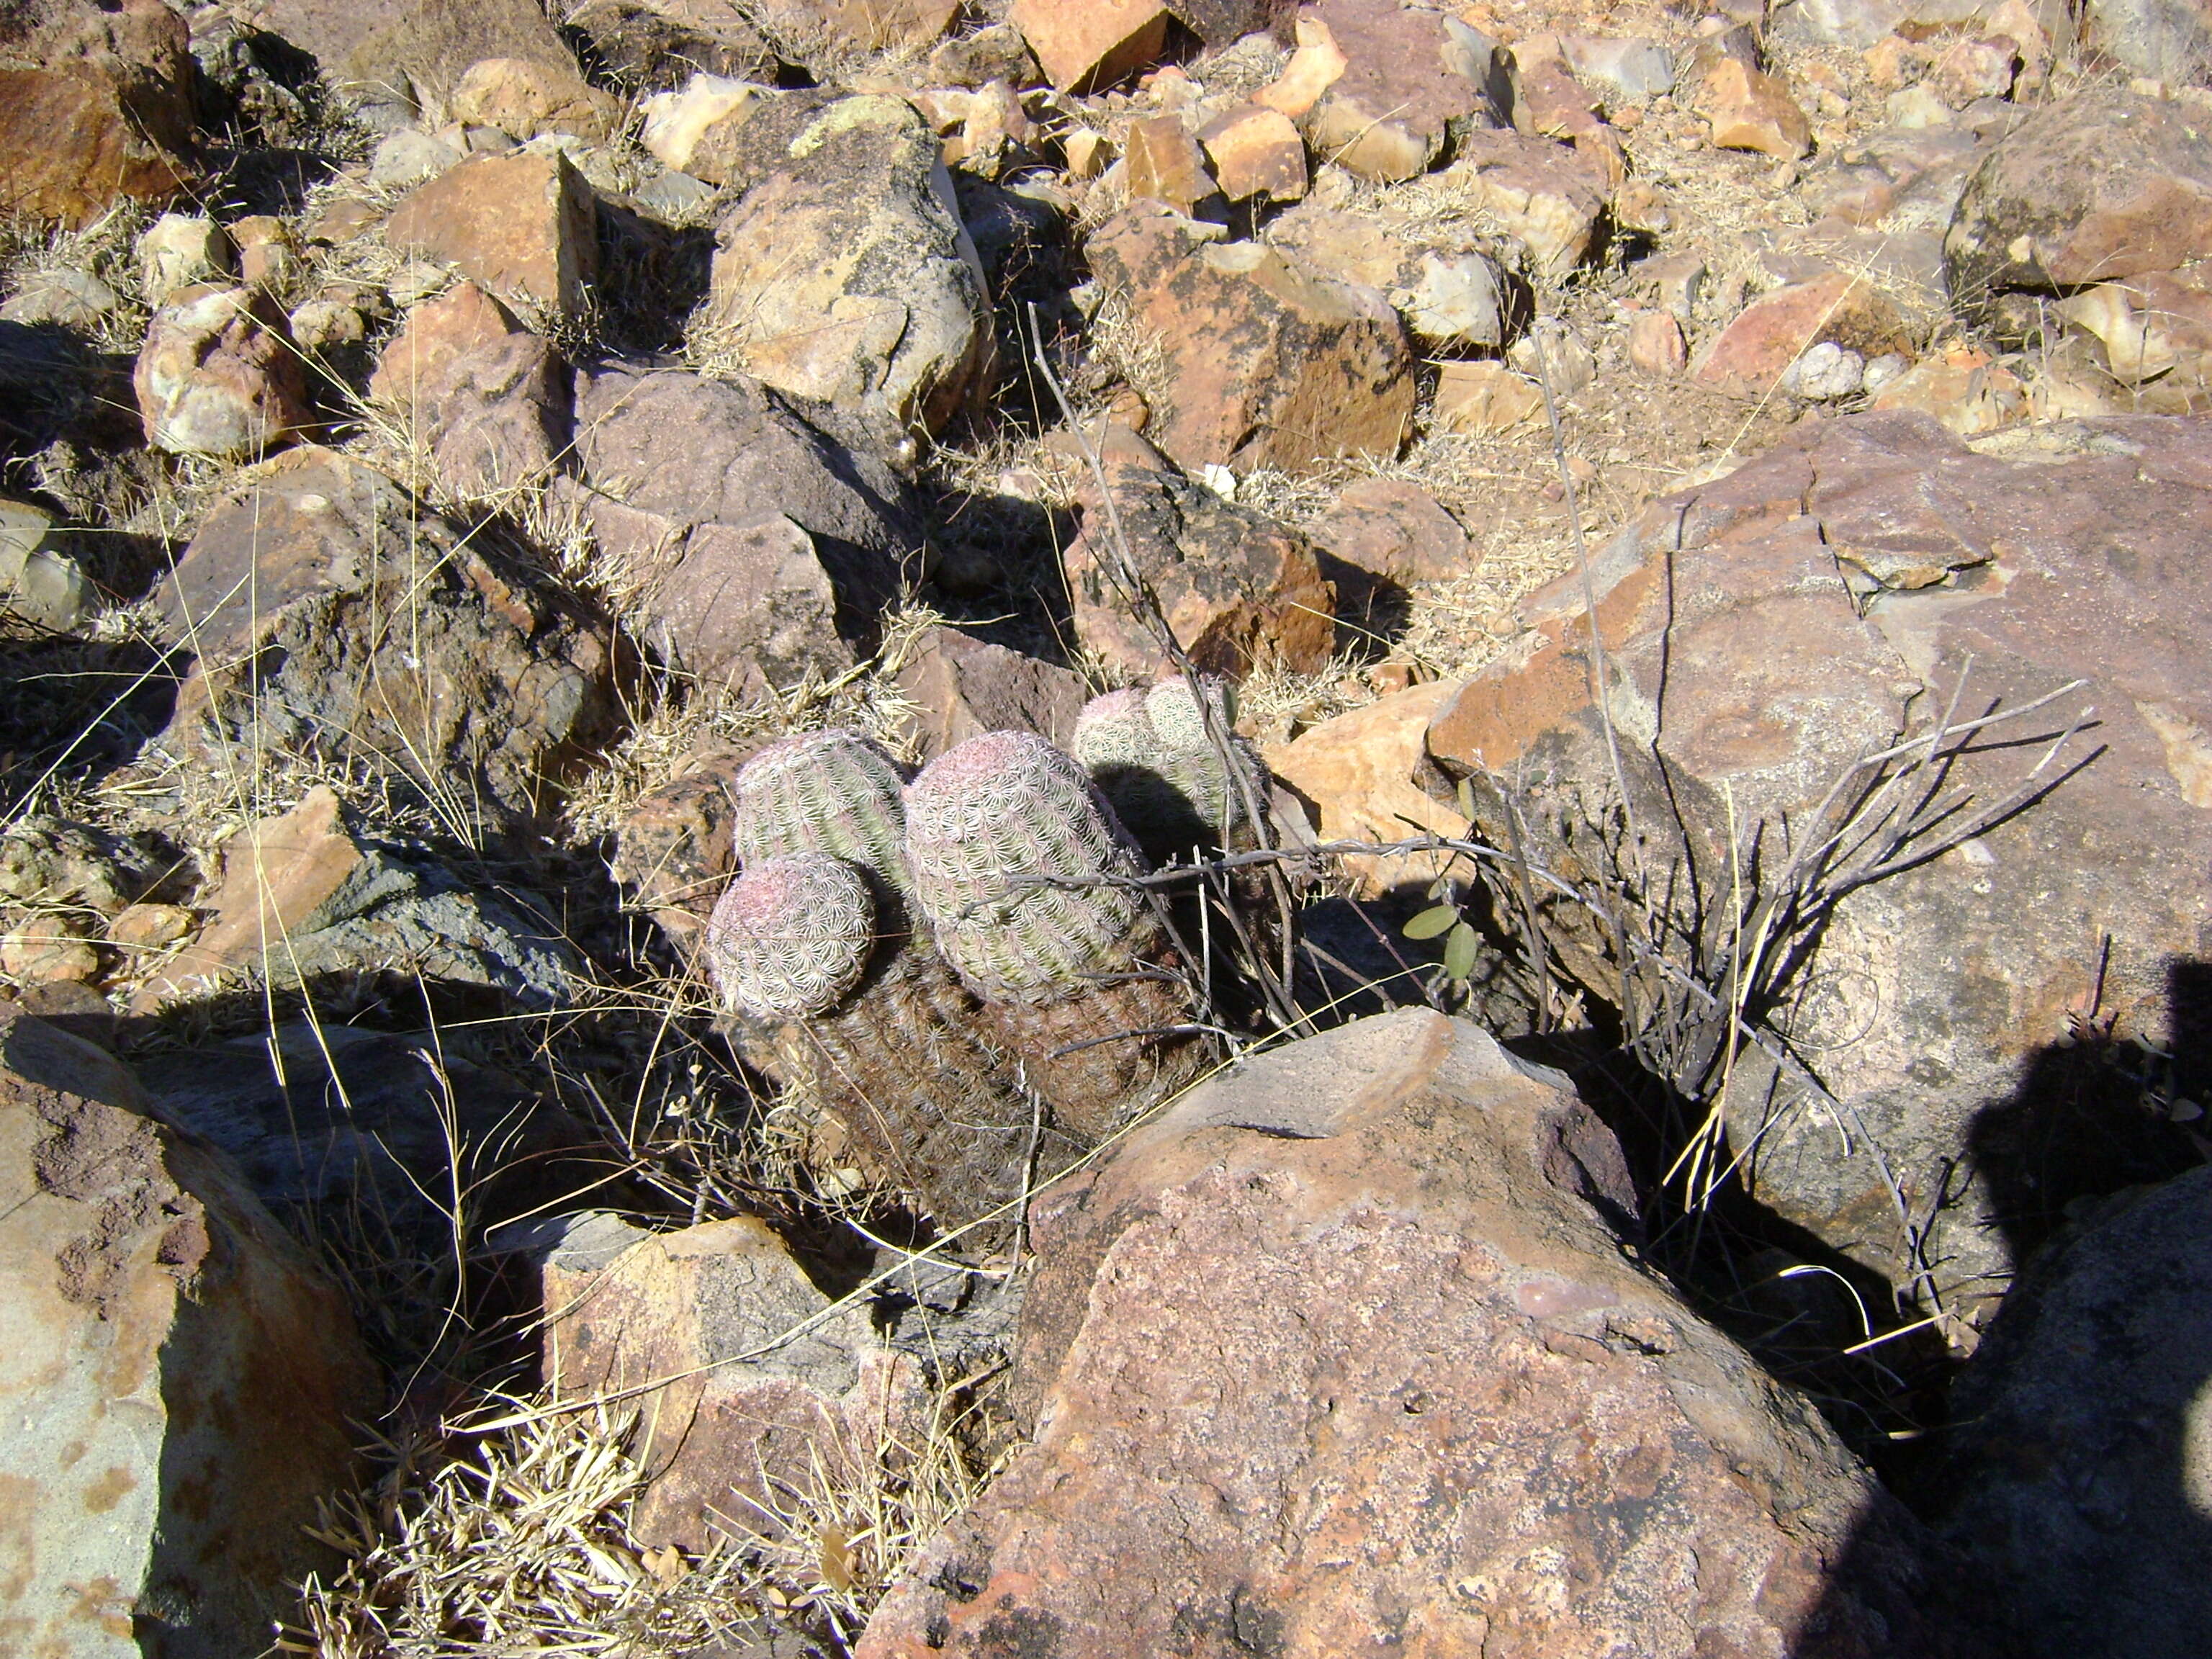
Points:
(2056, 1544)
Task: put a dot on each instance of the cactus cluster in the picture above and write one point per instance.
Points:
(1154, 759)
(959, 967)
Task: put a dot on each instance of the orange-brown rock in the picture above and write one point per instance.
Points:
(219, 375)
(1256, 151)
(524, 225)
(673, 850)
(1357, 771)
(1086, 44)
(1343, 1354)
(1749, 109)
(95, 106)
(1484, 396)
(1268, 364)
(1825, 602)
(1311, 70)
(1238, 589)
(1410, 83)
(1965, 390)
(1163, 162)
(1770, 332)
(748, 1378)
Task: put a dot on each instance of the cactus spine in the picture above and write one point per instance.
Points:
(828, 792)
(991, 812)
(904, 1060)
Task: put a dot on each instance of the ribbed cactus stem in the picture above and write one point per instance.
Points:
(828, 792)
(1154, 759)
(1173, 708)
(791, 936)
(1000, 808)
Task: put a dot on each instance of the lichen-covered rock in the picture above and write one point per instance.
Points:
(180, 1386)
(1342, 1354)
(332, 615)
(845, 276)
(1238, 589)
(2097, 188)
(219, 375)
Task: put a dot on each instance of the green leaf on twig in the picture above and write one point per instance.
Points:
(1432, 921)
(1459, 952)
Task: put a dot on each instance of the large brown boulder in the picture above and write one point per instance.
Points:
(1343, 1355)
(1236, 588)
(523, 225)
(1269, 362)
(1833, 600)
(331, 614)
(2102, 186)
(95, 106)
(179, 1385)
(757, 545)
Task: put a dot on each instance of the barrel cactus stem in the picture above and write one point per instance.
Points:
(1000, 808)
(828, 792)
(791, 936)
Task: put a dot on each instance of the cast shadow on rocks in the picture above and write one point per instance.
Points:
(75, 708)
(2068, 1491)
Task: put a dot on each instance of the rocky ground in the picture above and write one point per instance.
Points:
(1080, 827)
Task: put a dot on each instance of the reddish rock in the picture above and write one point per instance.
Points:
(496, 418)
(1973, 68)
(1655, 342)
(413, 362)
(1163, 162)
(1542, 192)
(1086, 44)
(219, 375)
(182, 1386)
(524, 225)
(1964, 389)
(1268, 364)
(963, 687)
(1395, 529)
(2100, 187)
(95, 106)
(673, 850)
(1237, 588)
(1747, 109)
(747, 1378)
(1770, 332)
(756, 546)
(1410, 82)
(1342, 1355)
(1823, 602)
(1256, 151)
